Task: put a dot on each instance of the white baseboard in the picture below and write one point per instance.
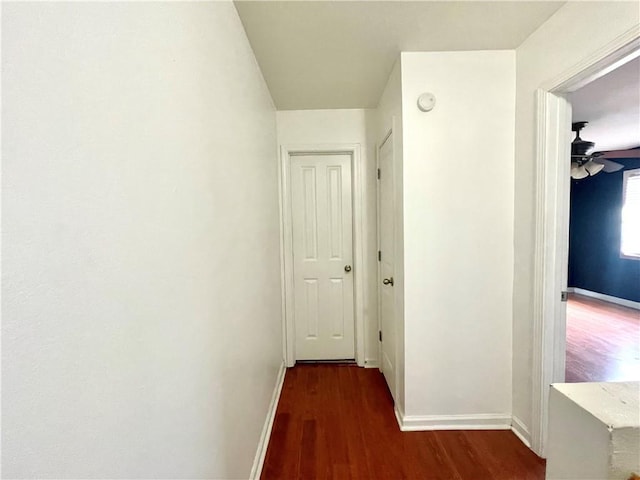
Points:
(480, 421)
(606, 298)
(261, 452)
(371, 363)
(399, 415)
(521, 431)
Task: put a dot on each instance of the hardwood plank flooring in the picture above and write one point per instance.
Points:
(603, 341)
(337, 422)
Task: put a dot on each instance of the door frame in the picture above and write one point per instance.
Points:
(286, 243)
(553, 147)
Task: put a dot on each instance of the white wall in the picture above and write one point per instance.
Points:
(141, 278)
(606, 419)
(348, 126)
(569, 458)
(458, 233)
(555, 47)
(389, 118)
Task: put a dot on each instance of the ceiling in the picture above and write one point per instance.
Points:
(611, 105)
(339, 54)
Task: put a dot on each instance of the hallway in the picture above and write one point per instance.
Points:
(153, 290)
(337, 422)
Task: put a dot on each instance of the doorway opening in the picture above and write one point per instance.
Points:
(553, 174)
(603, 305)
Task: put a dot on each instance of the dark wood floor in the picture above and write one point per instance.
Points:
(603, 341)
(337, 422)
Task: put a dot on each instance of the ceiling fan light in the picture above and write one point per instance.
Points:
(578, 171)
(593, 167)
(574, 168)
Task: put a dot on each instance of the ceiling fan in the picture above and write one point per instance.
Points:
(584, 164)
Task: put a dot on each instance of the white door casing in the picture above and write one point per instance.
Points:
(359, 270)
(549, 360)
(322, 256)
(552, 221)
(386, 291)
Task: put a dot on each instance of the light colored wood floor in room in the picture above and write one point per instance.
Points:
(337, 422)
(603, 341)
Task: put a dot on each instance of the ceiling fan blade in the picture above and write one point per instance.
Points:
(635, 153)
(609, 166)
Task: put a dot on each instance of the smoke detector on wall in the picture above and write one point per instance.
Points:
(426, 102)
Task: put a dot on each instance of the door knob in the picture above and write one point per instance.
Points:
(388, 281)
(347, 268)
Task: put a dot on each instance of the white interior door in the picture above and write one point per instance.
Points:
(322, 227)
(386, 270)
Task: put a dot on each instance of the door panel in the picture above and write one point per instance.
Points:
(322, 247)
(310, 219)
(335, 303)
(386, 271)
(311, 307)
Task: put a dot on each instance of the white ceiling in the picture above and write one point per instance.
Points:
(338, 54)
(611, 105)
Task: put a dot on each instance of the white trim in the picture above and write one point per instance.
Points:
(359, 239)
(616, 53)
(552, 181)
(371, 363)
(607, 298)
(359, 265)
(551, 250)
(479, 421)
(286, 260)
(284, 304)
(397, 410)
(521, 431)
(261, 452)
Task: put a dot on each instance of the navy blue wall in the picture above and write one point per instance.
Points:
(594, 237)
